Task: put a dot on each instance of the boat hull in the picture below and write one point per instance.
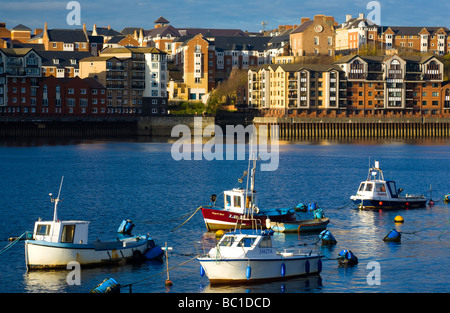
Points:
(393, 204)
(220, 219)
(229, 271)
(48, 255)
(313, 225)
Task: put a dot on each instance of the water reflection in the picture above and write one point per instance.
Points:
(293, 285)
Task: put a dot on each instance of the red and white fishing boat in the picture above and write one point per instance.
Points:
(240, 206)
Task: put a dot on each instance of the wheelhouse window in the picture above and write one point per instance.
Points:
(247, 242)
(67, 233)
(265, 243)
(227, 241)
(369, 187)
(237, 201)
(361, 188)
(43, 230)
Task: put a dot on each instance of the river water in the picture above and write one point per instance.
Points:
(108, 181)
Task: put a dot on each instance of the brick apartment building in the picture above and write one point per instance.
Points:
(314, 37)
(352, 86)
(135, 78)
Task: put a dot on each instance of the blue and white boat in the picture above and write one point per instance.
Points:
(376, 193)
(56, 243)
(247, 255)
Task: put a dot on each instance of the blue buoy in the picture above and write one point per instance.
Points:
(107, 286)
(202, 271)
(346, 257)
(393, 236)
(307, 267)
(153, 253)
(248, 272)
(327, 238)
(283, 269)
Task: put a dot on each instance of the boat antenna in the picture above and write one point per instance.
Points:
(56, 201)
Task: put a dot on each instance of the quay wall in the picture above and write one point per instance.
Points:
(95, 128)
(347, 127)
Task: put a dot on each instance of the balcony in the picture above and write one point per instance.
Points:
(116, 68)
(357, 75)
(115, 77)
(138, 86)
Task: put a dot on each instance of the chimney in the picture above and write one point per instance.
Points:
(135, 34)
(37, 31)
(84, 27)
(45, 27)
(361, 16)
(348, 17)
(304, 19)
(109, 26)
(94, 30)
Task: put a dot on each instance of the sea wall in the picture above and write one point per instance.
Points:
(347, 127)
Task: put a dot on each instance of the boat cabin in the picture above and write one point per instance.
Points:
(237, 242)
(61, 231)
(239, 200)
(385, 189)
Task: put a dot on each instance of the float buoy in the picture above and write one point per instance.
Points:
(399, 219)
(107, 286)
(307, 267)
(347, 258)
(327, 238)
(393, 236)
(168, 283)
(202, 271)
(219, 233)
(248, 272)
(283, 269)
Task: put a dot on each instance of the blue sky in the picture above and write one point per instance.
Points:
(242, 14)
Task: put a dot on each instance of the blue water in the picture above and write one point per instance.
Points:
(106, 182)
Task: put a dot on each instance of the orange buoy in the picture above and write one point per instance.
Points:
(399, 219)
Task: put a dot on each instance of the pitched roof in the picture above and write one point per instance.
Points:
(67, 35)
(21, 27)
(131, 30)
(163, 31)
(412, 30)
(212, 32)
(223, 43)
(161, 20)
(302, 27)
(64, 58)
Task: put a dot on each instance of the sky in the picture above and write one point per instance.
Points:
(239, 14)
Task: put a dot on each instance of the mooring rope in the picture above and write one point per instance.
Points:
(8, 246)
(196, 210)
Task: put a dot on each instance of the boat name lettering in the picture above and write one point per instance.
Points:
(265, 251)
(233, 216)
(217, 213)
(381, 193)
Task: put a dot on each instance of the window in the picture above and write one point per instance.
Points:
(67, 233)
(43, 230)
(369, 187)
(265, 242)
(316, 41)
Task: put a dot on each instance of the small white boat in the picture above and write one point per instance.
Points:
(56, 243)
(247, 255)
(376, 193)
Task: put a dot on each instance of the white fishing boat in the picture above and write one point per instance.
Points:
(55, 243)
(376, 193)
(247, 255)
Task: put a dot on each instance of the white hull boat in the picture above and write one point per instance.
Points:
(375, 193)
(56, 243)
(246, 256)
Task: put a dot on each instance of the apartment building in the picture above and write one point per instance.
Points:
(352, 86)
(19, 70)
(135, 78)
(207, 60)
(354, 33)
(422, 39)
(62, 64)
(314, 37)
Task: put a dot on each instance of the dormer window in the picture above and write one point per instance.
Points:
(73, 61)
(55, 61)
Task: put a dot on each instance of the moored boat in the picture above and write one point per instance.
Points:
(240, 206)
(247, 255)
(56, 243)
(376, 193)
(301, 226)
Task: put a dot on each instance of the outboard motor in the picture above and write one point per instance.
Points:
(126, 227)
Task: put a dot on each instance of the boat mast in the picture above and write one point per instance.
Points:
(56, 201)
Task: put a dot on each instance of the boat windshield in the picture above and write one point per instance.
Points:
(247, 242)
(361, 188)
(266, 242)
(227, 241)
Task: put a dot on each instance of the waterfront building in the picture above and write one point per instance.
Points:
(314, 37)
(20, 33)
(354, 33)
(19, 70)
(61, 64)
(135, 78)
(207, 60)
(352, 86)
